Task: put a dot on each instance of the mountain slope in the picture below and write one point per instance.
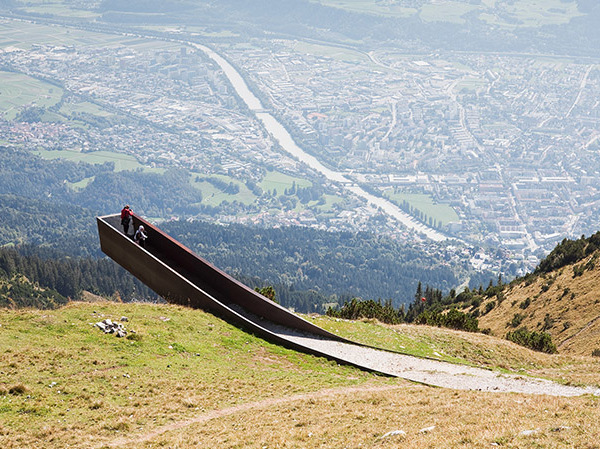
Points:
(188, 379)
(563, 302)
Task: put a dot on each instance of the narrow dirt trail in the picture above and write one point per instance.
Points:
(579, 332)
(241, 408)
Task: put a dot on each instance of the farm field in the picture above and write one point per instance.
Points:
(214, 196)
(18, 91)
(122, 162)
(425, 204)
(279, 181)
(515, 14)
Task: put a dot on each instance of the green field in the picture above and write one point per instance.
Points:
(448, 11)
(517, 13)
(330, 200)
(536, 13)
(213, 196)
(183, 378)
(425, 203)
(84, 107)
(82, 387)
(280, 181)
(81, 185)
(18, 90)
(386, 9)
(58, 8)
(122, 161)
(25, 34)
(340, 54)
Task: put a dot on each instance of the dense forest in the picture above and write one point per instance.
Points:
(330, 264)
(36, 277)
(309, 268)
(35, 178)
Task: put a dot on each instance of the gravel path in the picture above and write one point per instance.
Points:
(430, 372)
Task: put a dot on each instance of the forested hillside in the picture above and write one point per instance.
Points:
(553, 309)
(560, 298)
(48, 209)
(37, 277)
(56, 246)
(347, 264)
(27, 175)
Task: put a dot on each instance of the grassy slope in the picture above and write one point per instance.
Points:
(191, 380)
(570, 303)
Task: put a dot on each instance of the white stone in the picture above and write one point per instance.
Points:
(394, 432)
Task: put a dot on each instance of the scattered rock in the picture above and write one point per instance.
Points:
(558, 429)
(394, 433)
(124, 318)
(427, 429)
(528, 432)
(108, 327)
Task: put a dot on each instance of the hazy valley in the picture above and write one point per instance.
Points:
(414, 175)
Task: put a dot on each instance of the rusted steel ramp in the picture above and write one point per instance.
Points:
(182, 277)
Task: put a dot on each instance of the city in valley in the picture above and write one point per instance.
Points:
(493, 150)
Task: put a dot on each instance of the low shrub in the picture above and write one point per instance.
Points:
(453, 319)
(538, 341)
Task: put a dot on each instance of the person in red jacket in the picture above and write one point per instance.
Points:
(126, 214)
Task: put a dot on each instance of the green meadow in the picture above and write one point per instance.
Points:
(58, 8)
(214, 196)
(183, 378)
(426, 204)
(387, 9)
(18, 90)
(274, 180)
(122, 161)
(25, 34)
(512, 14)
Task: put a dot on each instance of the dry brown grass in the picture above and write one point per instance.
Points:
(355, 419)
(66, 384)
(567, 308)
(195, 381)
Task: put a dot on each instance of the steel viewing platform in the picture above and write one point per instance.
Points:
(182, 277)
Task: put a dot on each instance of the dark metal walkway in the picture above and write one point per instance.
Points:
(182, 277)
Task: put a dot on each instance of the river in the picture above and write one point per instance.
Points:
(287, 143)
